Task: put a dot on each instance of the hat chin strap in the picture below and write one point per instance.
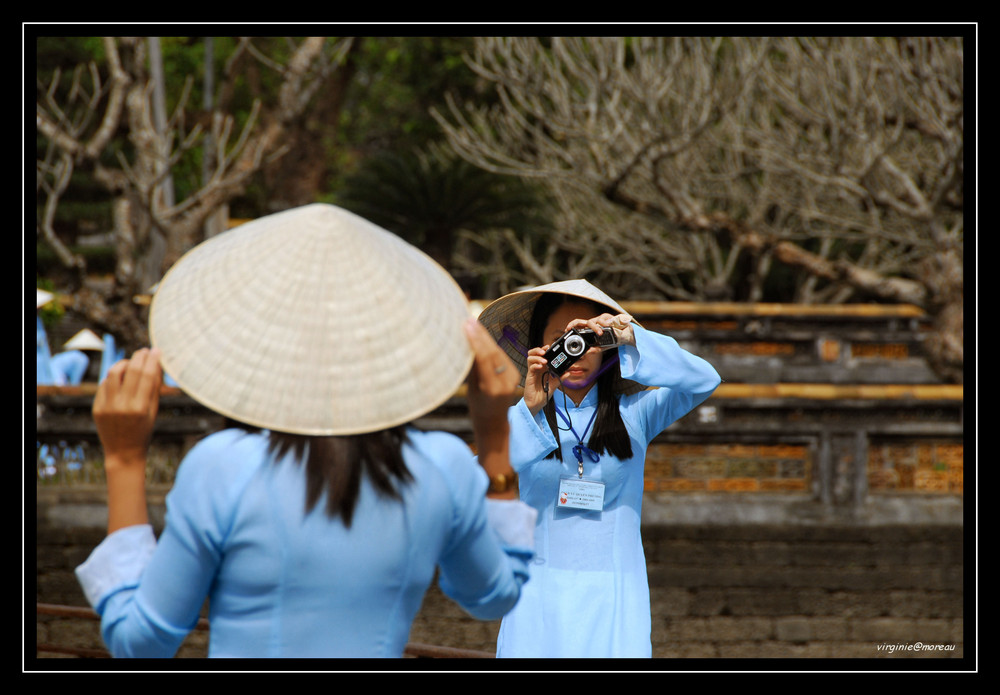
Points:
(510, 335)
(607, 364)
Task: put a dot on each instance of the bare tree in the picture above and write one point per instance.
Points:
(838, 157)
(79, 125)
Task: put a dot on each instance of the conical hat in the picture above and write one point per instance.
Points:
(312, 321)
(86, 339)
(508, 319)
(42, 298)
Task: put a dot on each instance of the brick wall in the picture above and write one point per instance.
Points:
(918, 467)
(721, 467)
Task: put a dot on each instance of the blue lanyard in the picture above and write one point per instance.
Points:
(580, 449)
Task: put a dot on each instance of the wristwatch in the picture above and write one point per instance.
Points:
(502, 482)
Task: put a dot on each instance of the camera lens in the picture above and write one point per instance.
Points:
(575, 345)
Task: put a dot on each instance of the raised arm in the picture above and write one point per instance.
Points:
(124, 411)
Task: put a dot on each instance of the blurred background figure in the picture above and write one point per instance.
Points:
(43, 358)
(110, 355)
(74, 364)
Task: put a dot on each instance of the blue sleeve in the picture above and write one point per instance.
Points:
(481, 571)
(531, 438)
(682, 380)
(149, 594)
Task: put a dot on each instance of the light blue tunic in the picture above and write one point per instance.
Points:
(589, 593)
(282, 583)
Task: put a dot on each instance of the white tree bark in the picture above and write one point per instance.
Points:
(838, 156)
(152, 230)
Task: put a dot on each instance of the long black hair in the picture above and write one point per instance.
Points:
(609, 433)
(336, 465)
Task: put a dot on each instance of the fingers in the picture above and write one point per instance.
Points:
(484, 347)
(536, 359)
(109, 388)
(126, 406)
(540, 383)
(132, 384)
(599, 323)
(621, 321)
(493, 368)
(142, 379)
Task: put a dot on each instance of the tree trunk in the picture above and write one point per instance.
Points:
(300, 175)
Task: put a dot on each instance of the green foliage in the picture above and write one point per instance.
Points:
(398, 80)
(424, 194)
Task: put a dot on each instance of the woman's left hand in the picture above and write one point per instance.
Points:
(493, 381)
(492, 387)
(620, 324)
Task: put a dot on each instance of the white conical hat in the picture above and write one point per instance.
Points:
(42, 298)
(509, 318)
(312, 321)
(86, 339)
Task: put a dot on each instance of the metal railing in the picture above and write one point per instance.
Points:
(413, 650)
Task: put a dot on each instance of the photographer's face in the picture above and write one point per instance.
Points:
(587, 365)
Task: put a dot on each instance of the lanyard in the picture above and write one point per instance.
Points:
(580, 449)
(510, 335)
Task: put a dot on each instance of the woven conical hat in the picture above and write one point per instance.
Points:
(312, 321)
(509, 318)
(85, 339)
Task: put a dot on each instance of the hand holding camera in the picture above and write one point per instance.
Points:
(565, 352)
(603, 332)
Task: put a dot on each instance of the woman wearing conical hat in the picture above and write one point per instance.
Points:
(316, 522)
(578, 444)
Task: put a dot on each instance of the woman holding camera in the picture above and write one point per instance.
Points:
(315, 523)
(578, 445)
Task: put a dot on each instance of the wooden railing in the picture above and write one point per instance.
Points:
(413, 650)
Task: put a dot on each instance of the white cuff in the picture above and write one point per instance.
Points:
(117, 562)
(513, 520)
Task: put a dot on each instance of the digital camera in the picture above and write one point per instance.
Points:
(569, 348)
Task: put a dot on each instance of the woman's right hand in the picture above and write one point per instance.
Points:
(125, 407)
(124, 411)
(539, 383)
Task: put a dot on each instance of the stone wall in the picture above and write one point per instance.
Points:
(751, 583)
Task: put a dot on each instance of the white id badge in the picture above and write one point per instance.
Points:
(576, 493)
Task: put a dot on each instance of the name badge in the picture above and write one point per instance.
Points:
(575, 493)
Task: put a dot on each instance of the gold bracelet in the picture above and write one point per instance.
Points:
(502, 482)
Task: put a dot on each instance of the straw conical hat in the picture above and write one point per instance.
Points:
(509, 318)
(312, 321)
(86, 339)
